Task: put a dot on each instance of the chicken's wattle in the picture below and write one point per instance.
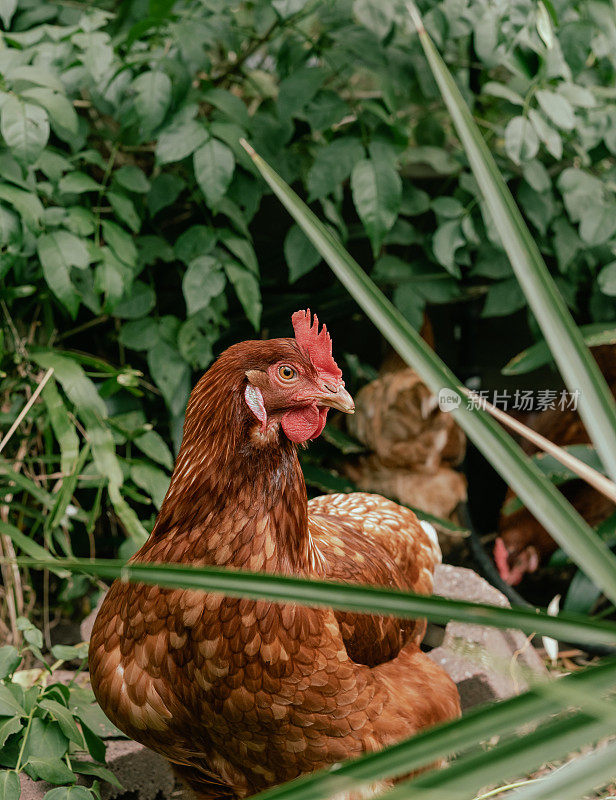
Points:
(302, 424)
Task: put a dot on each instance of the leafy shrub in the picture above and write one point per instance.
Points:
(45, 724)
(132, 220)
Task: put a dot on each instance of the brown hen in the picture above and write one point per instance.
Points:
(238, 694)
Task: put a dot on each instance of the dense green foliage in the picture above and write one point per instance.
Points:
(129, 211)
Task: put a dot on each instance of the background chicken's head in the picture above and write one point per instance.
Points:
(296, 381)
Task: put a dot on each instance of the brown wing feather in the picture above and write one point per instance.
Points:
(364, 538)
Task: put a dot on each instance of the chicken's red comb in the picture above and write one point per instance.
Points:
(317, 344)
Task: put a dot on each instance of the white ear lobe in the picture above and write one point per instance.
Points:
(254, 401)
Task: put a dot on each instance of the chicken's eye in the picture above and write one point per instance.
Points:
(287, 373)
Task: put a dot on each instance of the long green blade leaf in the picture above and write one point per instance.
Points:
(368, 599)
(576, 779)
(576, 365)
(514, 757)
(535, 490)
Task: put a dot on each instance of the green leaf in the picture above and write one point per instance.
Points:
(96, 770)
(121, 242)
(9, 707)
(595, 334)
(299, 253)
(96, 746)
(521, 142)
(89, 406)
(8, 726)
(505, 297)
(77, 183)
(29, 546)
(607, 279)
(45, 740)
(10, 787)
(125, 210)
(557, 108)
(344, 596)
(153, 445)
(152, 480)
(25, 128)
(546, 133)
(180, 140)
(247, 290)
(203, 280)
(164, 191)
(7, 9)
(152, 98)
(58, 252)
(598, 222)
(581, 595)
(137, 302)
(63, 427)
(26, 203)
(296, 90)
(142, 334)
(332, 166)
(544, 501)
(214, 165)
(51, 770)
(69, 793)
(579, 369)
(447, 239)
(9, 660)
(132, 178)
(62, 115)
(377, 193)
(64, 719)
(171, 374)
(129, 520)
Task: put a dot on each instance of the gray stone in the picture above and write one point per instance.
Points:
(487, 664)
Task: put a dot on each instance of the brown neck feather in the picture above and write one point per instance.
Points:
(233, 500)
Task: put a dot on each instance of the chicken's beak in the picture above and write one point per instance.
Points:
(337, 398)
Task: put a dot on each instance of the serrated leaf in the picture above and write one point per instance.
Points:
(214, 165)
